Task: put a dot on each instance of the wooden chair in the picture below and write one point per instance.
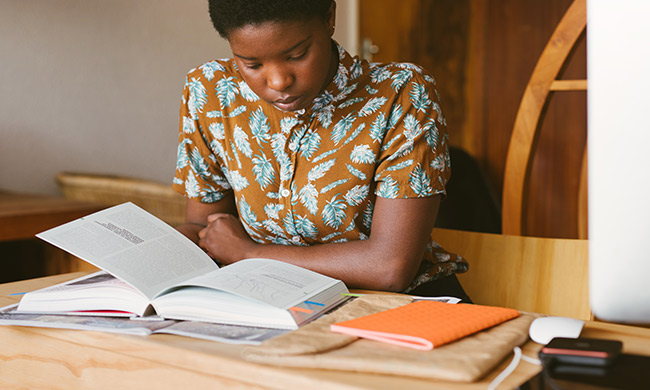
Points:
(541, 275)
(157, 198)
(542, 84)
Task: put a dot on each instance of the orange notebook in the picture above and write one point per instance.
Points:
(424, 325)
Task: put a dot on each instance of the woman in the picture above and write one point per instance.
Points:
(294, 150)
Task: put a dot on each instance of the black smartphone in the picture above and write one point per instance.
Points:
(628, 372)
(581, 351)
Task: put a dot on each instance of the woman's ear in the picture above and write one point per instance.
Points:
(331, 18)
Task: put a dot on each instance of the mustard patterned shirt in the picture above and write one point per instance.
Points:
(312, 176)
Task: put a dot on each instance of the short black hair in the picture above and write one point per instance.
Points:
(228, 15)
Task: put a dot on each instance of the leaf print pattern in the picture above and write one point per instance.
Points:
(241, 142)
(260, 126)
(420, 97)
(217, 130)
(305, 227)
(218, 148)
(341, 77)
(389, 188)
(309, 198)
(320, 170)
(189, 126)
(379, 74)
(355, 133)
(192, 188)
(182, 158)
(247, 93)
(356, 70)
(237, 181)
(401, 78)
(247, 214)
(357, 173)
(218, 114)
(324, 155)
(308, 177)
(367, 215)
(274, 228)
(322, 101)
(420, 182)
(431, 134)
(226, 91)
(198, 97)
(277, 144)
(356, 195)
(198, 164)
(373, 105)
(395, 115)
(438, 163)
(272, 210)
(333, 185)
(325, 116)
(371, 90)
(342, 128)
(310, 145)
(362, 154)
(263, 170)
(402, 165)
(289, 223)
(287, 123)
(378, 128)
(350, 102)
(209, 68)
(334, 212)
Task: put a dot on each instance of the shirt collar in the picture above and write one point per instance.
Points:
(342, 83)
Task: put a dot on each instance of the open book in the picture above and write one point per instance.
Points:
(158, 269)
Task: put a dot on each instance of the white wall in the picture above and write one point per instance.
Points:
(94, 86)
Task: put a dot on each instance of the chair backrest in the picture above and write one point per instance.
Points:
(157, 198)
(541, 275)
(543, 82)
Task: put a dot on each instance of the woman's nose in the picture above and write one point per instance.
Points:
(279, 79)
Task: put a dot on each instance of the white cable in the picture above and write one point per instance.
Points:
(531, 360)
(518, 355)
(507, 371)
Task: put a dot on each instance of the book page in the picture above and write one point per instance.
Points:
(134, 246)
(98, 294)
(274, 282)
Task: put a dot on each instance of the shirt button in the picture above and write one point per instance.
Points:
(293, 147)
(285, 193)
(295, 238)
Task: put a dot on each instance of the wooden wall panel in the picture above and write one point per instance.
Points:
(482, 54)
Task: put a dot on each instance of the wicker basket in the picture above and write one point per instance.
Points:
(158, 199)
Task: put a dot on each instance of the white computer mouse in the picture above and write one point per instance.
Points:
(544, 329)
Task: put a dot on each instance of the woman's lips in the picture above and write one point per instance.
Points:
(288, 104)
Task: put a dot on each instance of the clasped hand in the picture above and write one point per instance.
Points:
(225, 239)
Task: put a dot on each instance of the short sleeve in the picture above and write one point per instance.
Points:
(414, 157)
(198, 172)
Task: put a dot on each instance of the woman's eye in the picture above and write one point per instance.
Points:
(298, 57)
(253, 66)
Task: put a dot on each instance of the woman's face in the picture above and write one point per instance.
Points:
(287, 64)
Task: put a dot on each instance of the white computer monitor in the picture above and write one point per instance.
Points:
(618, 101)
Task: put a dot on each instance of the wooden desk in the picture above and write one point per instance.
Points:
(23, 215)
(69, 359)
